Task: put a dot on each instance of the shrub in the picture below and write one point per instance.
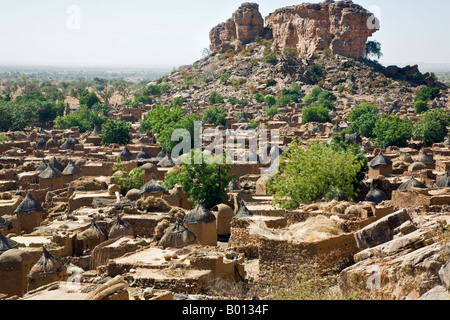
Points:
(83, 118)
(177, 101)
(258, 97)
(214, 115)
(116, 132)
(215, 98)
(421, 107)
(428, 93)
(341, 88)
(207, 181)
(234, 101)
(432, 126)
(314, 173)
(271, 82)
(224, 78)
(317, 113)
(270, 58)
(391, 130)
(270, 100)
(271, 111)
(128, 179)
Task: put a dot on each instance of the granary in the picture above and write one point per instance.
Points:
(143, 155)
(202, 223)
(126, 154)
(40, 145)
(29, 213)
(166, 162)
(7, 244)
(94, 138)
(243, 211)
(71, 172)
(51, 178)
(69, 144)
(152, 188)
(426, 159)
(177, 236)
(444, 182)
(51, 143)
(120, 228)
(56, 164)
(4, 225)
(47, 270)
(90, 238)
(42, 166)
(224, 215)
(375, 195)
(15, 265)
(380, 166)
(412, 183)
(150, 170)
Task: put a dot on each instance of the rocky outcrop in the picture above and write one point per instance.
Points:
(245, 25)
(342, 26)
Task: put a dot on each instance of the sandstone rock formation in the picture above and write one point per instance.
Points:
(245, 25)
(342, 26)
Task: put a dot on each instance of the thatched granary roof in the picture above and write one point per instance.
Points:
(7, 244)
(152, 187)
(243, 211)
(142, 155)
(96, 132)
(166, 162)
(41, 143)
(4, 223)
(375, 195)
(233, 186)
(380, 159)
(412, 183)
(178, 236)
(199, 214)
(425, 158)
(50, 172)
(69, 143)
(125, 154)
(48, 263)
(71, 168)
(56, 164)
(28, 205)
(42, 166)
(51, 143)
(444, 182)
(120, 228)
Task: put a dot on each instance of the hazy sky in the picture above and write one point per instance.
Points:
(150, 32)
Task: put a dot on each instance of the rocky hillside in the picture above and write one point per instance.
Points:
(309, 44)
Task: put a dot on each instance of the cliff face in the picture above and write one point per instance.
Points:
(245, 25)
(342, 26)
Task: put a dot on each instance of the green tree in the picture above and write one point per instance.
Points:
(427, 94)
(432, 126)
(391, 130)
(89, 99)
(363, 118)
(116, 132)
(204, 179)
(215, 98)
(421, 107)
(373, 49)
(316, 114)
(128, 179)
(215, 115)
(83, 118)
(177, 101)
(272, 111)
(317, 172)
(270, 100)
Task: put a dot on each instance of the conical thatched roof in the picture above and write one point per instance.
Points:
(336, 128)
(120, 228)
(56, 164)
(233, 186)
(380, 159)
(6, 243)
(96, 132)
(166, 162)
(142, 155)
(199, 214)
(444, 182)
(41, 143)
(69, 144)
(48, 263)
(375, 195)
(71, 168)
(425, 158)
(243, 211)
(412, 183)
(316, 128)
(152, 187)
(28, 205)
(125, 154)
(447, 141)
(355, 137)
(51, 143)
(42, 166)
(4, 223)
(178, 236)
(50, 172)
